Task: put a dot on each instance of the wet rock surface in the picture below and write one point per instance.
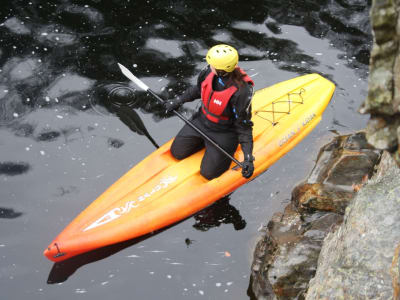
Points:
(360, 260)
(382, 87)
(342, 165)
(286, 256)
(383, 101)
(382, 131)
(286, 259)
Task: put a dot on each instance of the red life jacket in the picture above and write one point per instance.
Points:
(215, 102)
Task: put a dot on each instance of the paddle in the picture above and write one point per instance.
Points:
(144, 87)
(119, 99)
(131, 119)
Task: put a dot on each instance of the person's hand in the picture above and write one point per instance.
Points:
(172, 104)
(248, 166)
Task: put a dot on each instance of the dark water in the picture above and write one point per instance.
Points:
(62, 144)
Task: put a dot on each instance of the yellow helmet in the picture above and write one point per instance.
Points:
(222, 57)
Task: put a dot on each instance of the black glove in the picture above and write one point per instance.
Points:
(248, 166)
(172, 104)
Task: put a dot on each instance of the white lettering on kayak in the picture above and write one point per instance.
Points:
(293, 132)
(117, 212)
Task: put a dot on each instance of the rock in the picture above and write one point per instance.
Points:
(341, 165)
(321, 197)
(382, 132)
(360, 260)
(384, 19)
(383, 101)
(380, 90)
(385, 165)
(396, 82)
(285, 258)
(397, 154)
(383, 85)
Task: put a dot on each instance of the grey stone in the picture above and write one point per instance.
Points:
(344, 162)
(385, 52)
(360, 259)
(287, 254)
(382, 132)
(286, 257)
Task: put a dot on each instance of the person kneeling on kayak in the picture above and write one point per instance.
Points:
(225, 114)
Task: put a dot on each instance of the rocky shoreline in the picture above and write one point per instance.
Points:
(339, 238)
(286, 256)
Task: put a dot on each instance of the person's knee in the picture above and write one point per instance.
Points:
(211, 173)
(207, 175)
(183, 147)
(176, 153)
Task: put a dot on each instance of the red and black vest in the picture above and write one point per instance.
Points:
(215, 102)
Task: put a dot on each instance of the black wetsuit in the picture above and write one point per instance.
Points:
(228, 135)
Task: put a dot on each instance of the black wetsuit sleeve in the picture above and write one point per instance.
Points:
(243, 125)
(194, 92)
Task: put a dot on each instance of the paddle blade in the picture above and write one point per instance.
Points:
(132, 77)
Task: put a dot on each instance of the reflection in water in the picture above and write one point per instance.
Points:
(61, 271)
(337, 123)
(13, 168)
(52, 52)
(131, 119)
(9, 213)
(120, 99)
(115, 143)
(221, 212)
(48, 136)
(188, 242)
(65, 190)
(335, 132)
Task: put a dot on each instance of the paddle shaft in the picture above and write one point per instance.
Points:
(197, 130)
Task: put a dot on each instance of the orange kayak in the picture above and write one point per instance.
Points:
(161, 190)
